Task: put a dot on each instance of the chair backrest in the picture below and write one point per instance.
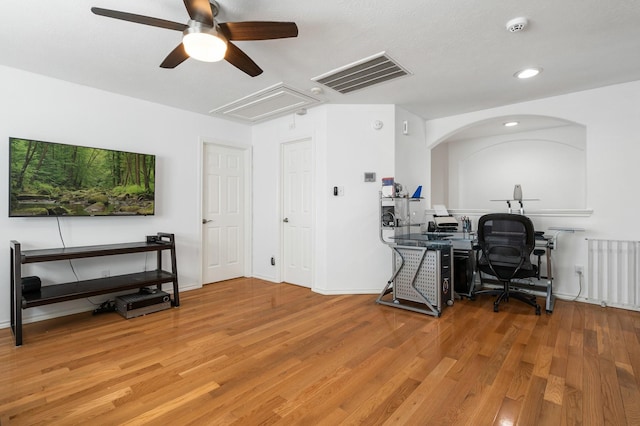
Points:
(506, 241)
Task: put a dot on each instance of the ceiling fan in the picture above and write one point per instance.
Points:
(207, 40)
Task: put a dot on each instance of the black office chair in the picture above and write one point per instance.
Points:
(506, 242)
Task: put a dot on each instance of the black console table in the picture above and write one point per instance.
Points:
(80, 289)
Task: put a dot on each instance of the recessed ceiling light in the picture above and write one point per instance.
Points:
(528, 73)
(511, 123)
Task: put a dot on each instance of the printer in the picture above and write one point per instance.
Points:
(445, 223)
(442, 220)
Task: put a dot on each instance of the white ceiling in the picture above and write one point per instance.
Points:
(459, 52)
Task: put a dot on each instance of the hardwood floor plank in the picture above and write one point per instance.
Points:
(572, 412)
(493, 398)
(554, 391)
(550, 413)
(533, 402)
(520, 382)
(592, 400)
(630, 395)
(424, 392)
(612, 404)
(508, 414)
(251, 352)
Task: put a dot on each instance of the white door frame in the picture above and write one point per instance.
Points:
(281, 273)
(247, 202)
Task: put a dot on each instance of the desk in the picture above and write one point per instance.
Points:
(464, 258)
(422, 275)
(463, 265)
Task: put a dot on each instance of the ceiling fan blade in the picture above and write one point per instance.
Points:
(240, 60)
(200, 10)
(139, 19)
(258, 30)
(175, 58)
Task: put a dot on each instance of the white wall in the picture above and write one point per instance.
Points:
(611, 116)
(549, 164)
(46, 109)
(357, 262)
(440, 175)
(348, 257)
(412, 157)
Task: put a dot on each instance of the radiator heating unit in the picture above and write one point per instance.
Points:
(613, 273)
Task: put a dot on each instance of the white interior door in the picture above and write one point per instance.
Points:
(223, 213)
(297, 212)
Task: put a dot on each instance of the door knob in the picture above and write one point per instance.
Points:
(206, 221)
(285, 220)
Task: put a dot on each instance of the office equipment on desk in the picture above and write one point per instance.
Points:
(517, 192)
(517, 196)
(464, 261)
(443, 221)
(388, 187)
(521, 202)
(396, 213)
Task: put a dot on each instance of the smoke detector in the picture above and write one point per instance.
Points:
(517, 24)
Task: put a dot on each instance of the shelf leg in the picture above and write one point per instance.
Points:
(16, 292)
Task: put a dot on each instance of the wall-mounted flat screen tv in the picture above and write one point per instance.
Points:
(54, 179)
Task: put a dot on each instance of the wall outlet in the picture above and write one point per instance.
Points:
(579, 269)
(273, 261)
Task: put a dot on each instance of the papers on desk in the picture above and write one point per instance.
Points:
(440, 210)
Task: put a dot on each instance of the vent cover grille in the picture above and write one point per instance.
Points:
(361, 74)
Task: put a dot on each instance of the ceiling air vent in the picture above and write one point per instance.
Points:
(271, 102)
(364, 73)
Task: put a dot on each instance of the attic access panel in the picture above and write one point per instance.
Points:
(268, 103)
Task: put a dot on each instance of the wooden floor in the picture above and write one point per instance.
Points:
(250, 352)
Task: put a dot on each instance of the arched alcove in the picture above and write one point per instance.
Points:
(483, 161)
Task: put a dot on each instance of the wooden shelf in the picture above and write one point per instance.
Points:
(50, 255)
(80, 289)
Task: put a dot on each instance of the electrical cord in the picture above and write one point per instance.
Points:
(106, 306)
(580, 288)
(64, 246)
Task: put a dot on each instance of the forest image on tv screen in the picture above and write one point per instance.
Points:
(53, 179)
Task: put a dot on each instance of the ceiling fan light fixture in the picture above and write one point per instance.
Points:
(204, 44)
